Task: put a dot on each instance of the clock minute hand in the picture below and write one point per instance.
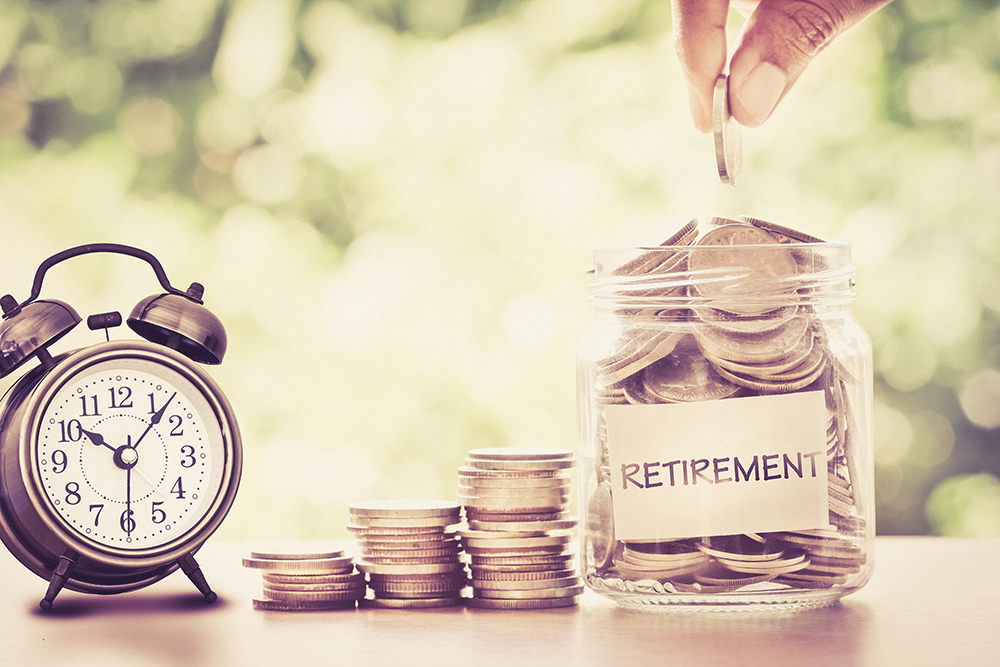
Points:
(155, 419)
(97, 439)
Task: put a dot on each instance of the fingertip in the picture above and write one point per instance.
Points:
(753, 100)
(700, 114)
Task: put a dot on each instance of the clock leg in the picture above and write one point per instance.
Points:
(191, 568)
(59, 576)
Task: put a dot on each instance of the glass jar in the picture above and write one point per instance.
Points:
(725, 394)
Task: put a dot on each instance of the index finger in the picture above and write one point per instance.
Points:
(700, 41)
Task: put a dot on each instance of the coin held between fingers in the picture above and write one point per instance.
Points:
(728, 135)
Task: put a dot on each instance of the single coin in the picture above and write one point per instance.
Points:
(411, 603)
(601, 526)
(779, 566)
(323, 596)
(302, 605)
(522, 560)
(569, 591)
(527, 498)
(476, 472)
(314, 588)
(406, 522)
(485, 575)
(517, 505)
(783, 234)
(515, 483)
(489, 543)
(520, 464)
(507, 492)
(728, 135)
(338, 565)
(485, 570)
(741, 548)
(537, 603)
(335, 595)
(520, 454)
(428, 555)
(292, 555)
(405, 508)
(529, 514)
(524, 526)
(422, 532)
(426, 568)
(457, 575)
(439, 586)
(660, 561)
(637, 573)
(479, 585)
(498, 535)
(312, 579)
(730, 580)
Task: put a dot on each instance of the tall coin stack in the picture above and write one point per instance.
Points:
(411, 557)
(519, 537)
(319, 581)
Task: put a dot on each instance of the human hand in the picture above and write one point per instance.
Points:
(778, 40)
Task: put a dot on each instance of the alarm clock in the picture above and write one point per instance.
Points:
(120, 459)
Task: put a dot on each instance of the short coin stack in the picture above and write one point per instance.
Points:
(316, 581)
(519, 538)
(411, 558)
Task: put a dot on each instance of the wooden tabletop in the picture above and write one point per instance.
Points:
(932, 601)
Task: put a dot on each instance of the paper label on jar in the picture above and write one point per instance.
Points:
(740, 465)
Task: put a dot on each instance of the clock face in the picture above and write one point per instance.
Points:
(129, 455)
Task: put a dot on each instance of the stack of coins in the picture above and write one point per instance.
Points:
(411, 557)
(316, 581)
(519, 535)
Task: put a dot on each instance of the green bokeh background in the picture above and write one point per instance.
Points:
(392, 205)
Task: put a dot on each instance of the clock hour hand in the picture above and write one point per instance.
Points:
(97, 439)
(155, 419)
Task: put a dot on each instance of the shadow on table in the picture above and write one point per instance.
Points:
(70, 605)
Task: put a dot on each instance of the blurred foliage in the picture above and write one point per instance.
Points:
(392, 203)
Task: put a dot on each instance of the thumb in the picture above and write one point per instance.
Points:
(778, 41)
